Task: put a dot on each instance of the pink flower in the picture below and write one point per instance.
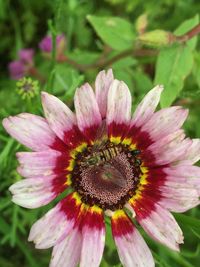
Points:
(26, 56)
(114, 162)
(20, 68)
(16, 69)
(46, 44)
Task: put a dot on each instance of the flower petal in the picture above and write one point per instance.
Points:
(67, 252)
(93, 238)
(87, 111)
(32, 131)
(56, 224)
(32, 193)
(164, 122)
(159, 224)
(69, 249)
(43, 163)
(119, 108)
(61, 120)
(102, 85)
(146, 108)
(193, 153)
(132, 249)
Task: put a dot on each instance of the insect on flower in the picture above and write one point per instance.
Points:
(116, 164)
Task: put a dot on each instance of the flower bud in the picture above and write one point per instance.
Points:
(156, 38)
(27, 88)
(46, 44)
(141, 23)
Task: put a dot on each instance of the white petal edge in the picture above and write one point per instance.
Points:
(60, 118)
(119, 103)
(30, 130)
(87, 110)
(146, 108)
(102, 85)
(161, 226)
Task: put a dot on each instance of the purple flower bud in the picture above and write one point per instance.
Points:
(46, 44)
(26, 56)
(16, 69)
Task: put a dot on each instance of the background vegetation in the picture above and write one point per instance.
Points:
(99, 34)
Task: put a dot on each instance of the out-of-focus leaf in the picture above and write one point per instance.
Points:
(172, 67)
(186, 26)
(66, 80)
(115, 32)
(175, 63)
(188, 221)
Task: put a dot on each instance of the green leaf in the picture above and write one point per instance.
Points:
(172, 67)
(66, 80)
(188, 220)
(185, 27)
(115, 32)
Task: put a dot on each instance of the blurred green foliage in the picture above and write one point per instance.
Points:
(99, 34)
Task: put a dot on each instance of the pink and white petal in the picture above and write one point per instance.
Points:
(102, 85)
(87, 111)
(32, 193)
(193, 153)
(131, 247)
(56, 224)
(164, 122)
(93, 234)
(67, 252)
(32, 131)
(146, 108)
(42, 164)
(185, 174)
(174, 153)
(178, 197)
(61, 120)
(167, 142)
(160, 225)
(119, 103)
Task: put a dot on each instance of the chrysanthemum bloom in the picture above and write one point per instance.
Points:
(21, 67)
(114, 163)
(46, 44)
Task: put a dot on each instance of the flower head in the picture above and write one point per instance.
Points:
(19, 68)
(114, 162)
(16, 69)
(26, 56)
(27, 88)
(46, 44)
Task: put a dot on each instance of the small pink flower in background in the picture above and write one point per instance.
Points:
(16, 69)
(21, 67)
(26, 56)
(46, 44)
(114, 162)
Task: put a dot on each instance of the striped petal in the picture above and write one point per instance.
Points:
(56, 224)
(67, 252)
(159, 224)
(43, 164)
(164, 122)
(61, 120)
(193, 153)
(102, 85)
(119, 108)
(132, 249)
(32, 131)
(31, 193)
(93, 238)
(146, 108)
(87, 111)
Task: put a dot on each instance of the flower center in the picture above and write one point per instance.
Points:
(107, 175)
